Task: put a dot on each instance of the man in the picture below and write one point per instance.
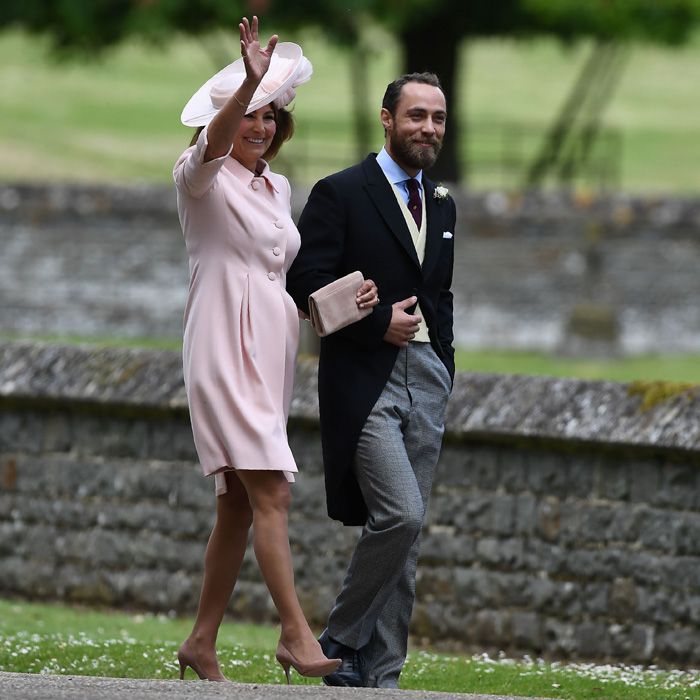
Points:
(383, 381)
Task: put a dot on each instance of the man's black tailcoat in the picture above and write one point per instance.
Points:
(352, 221)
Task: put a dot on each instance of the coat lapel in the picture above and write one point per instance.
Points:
(379, 191)
(433, 235)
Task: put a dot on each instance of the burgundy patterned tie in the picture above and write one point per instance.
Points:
(414, 203)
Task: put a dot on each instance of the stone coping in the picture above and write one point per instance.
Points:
(91, 375)
(620, 212)
(660, 415)
(657, 416)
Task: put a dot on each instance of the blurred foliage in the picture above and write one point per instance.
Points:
(663, 21)
(89, 25)
(429, 32)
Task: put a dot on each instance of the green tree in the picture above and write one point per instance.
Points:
(431, 32)
(89, 26)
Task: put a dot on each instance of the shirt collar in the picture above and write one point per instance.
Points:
(245, 176)
(393, 171)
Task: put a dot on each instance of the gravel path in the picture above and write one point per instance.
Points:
(23, 686)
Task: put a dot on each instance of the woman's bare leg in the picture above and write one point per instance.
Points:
(269, 496)
(222, 564)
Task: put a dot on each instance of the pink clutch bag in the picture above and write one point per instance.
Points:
(334, 306)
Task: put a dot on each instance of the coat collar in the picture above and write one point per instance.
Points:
(433, 241)
(245, 176)
(379, 191)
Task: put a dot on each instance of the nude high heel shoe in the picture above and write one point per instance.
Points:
(186, 658)
(319, 667)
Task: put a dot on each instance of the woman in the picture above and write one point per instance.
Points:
(240, 337)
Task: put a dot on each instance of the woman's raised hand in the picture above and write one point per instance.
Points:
(256, 60)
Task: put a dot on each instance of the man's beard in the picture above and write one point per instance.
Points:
(413, 155)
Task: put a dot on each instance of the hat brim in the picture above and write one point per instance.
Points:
(200, 109)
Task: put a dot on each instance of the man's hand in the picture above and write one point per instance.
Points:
(403, 327)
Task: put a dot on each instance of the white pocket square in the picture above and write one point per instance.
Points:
(446, 234)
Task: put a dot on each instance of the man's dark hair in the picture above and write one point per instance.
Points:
(393, 90)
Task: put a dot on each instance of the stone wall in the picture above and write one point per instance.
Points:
(93, 261)
(565, 518)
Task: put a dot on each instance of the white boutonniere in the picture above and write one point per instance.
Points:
(440, 193)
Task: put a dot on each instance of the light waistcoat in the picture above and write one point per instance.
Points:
(418, 237)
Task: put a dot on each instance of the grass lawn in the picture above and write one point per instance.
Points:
(679, 368)
(672, 368)
(39, 638)
(116, 119)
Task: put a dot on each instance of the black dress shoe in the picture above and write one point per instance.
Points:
(349, 673)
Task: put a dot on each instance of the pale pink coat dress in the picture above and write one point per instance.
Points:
(241, 327)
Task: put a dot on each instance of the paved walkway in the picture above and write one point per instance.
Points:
(24, 686)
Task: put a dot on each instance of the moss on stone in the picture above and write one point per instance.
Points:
(654, 393)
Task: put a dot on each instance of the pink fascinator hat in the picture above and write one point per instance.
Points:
(288, 69)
